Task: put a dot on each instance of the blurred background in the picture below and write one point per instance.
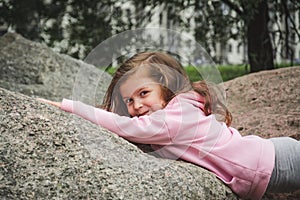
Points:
(252, 34)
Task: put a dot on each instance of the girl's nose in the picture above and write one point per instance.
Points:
(138, 104)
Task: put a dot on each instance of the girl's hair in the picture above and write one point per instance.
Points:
(167, 71)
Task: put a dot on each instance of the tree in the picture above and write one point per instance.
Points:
(23, 16)
(285, 28)
(213, 26)
(259, 23)
(88, 25)
(253, 15)
(260, 50)
(75, 27)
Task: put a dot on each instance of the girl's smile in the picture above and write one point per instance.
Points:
(142, 96)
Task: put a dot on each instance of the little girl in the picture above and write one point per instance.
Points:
(150, 100)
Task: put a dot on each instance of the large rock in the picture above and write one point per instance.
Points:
(49, 154)
(35, 70)
(266, 103)
(46, 153)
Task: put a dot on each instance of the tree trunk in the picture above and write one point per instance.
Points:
(260, 51)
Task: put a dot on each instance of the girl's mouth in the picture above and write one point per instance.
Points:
(144, 113)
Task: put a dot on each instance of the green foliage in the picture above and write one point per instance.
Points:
(110, 70)
(227, 72)
(73, 27)
(76, 27)
(193, 73)
(88, 26)
(23, 18)
(282, 65)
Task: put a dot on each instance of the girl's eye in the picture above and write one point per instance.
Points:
(143, 93)
(128, 101)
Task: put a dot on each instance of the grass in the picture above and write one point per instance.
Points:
(110, 70)
(229, 72)
(226, 72)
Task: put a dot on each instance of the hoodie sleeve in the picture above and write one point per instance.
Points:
(148, 129)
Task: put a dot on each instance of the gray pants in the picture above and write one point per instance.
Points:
(286, 174)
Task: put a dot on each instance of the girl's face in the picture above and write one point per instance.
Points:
(141, 95)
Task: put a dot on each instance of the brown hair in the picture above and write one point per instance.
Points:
(167, 71)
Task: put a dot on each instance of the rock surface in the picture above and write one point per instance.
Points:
(46, 153)
(266, 103)
(35, 70)
(49, 154)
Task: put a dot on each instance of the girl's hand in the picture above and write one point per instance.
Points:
(52, 103)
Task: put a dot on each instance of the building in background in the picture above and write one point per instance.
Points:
(235, 51)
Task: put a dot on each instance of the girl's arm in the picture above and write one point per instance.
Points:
(150, 129)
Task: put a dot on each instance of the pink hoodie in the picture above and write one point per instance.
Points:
(181, 130)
